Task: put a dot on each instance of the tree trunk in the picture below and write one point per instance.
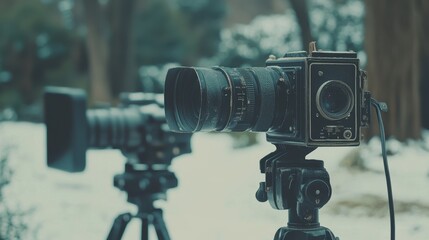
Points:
(424, 87)
(393, 45)
(121, 17)
(26, 74)
(97, 51)
(301, 11)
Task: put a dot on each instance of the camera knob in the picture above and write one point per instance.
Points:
(261, 194)
(318, 193)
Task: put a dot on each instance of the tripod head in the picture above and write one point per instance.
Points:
(299, 185)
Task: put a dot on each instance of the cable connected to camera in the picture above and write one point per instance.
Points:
(379, 107)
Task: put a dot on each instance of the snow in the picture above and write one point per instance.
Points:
(215, 198)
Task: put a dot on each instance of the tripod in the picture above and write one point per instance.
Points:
(144, 187)
(299, 185)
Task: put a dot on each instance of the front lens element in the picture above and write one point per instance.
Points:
(188, 94)
(334, 100)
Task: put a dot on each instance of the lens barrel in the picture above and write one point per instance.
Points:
(114, 127)
(334, 100)
(223, 99)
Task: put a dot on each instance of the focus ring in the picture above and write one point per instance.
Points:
(250, 100)
(238, 98)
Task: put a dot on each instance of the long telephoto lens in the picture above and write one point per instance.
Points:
(71, 129)
(223, 99)
(334, 100)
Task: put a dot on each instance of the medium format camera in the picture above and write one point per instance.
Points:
(299, 99)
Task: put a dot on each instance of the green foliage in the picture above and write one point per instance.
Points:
(11, 222)
(35, 49)
(250, 45)
(159, 34)
(205, 19)
(336, 25)
(339, 25)
(177, 31)
(31, 29)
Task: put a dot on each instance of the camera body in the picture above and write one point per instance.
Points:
(326, 102)
(300, 99)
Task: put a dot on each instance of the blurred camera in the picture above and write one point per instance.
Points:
(138, 128)
(299, 99)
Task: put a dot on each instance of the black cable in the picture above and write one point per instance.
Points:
(379, 107)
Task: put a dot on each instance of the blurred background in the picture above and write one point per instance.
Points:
(110, 46)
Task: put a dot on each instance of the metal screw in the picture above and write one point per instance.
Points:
(320, 73)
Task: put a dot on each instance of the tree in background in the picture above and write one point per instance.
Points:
(159, 34)
(179, 31)
(251, 44)
(204, 20)
(35, 49)
(97, 45)
(424, 84)
(301, 12)
(338, 25)
(108, 37)
(396, 42)
(123, 35)
(174, 31)
(335, 25)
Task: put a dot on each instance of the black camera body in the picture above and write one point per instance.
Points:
(326, 101)
(138, 128)
(300, 99)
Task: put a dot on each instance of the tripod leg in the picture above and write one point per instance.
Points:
(160, 227)
(119, 225)
(145, 228)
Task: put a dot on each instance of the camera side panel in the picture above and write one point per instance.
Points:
(334, 103)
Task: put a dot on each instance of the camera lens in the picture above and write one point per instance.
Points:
(222, 99)
(334, 100)
(114, 127)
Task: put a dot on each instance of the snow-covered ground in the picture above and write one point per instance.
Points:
(215, 198)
